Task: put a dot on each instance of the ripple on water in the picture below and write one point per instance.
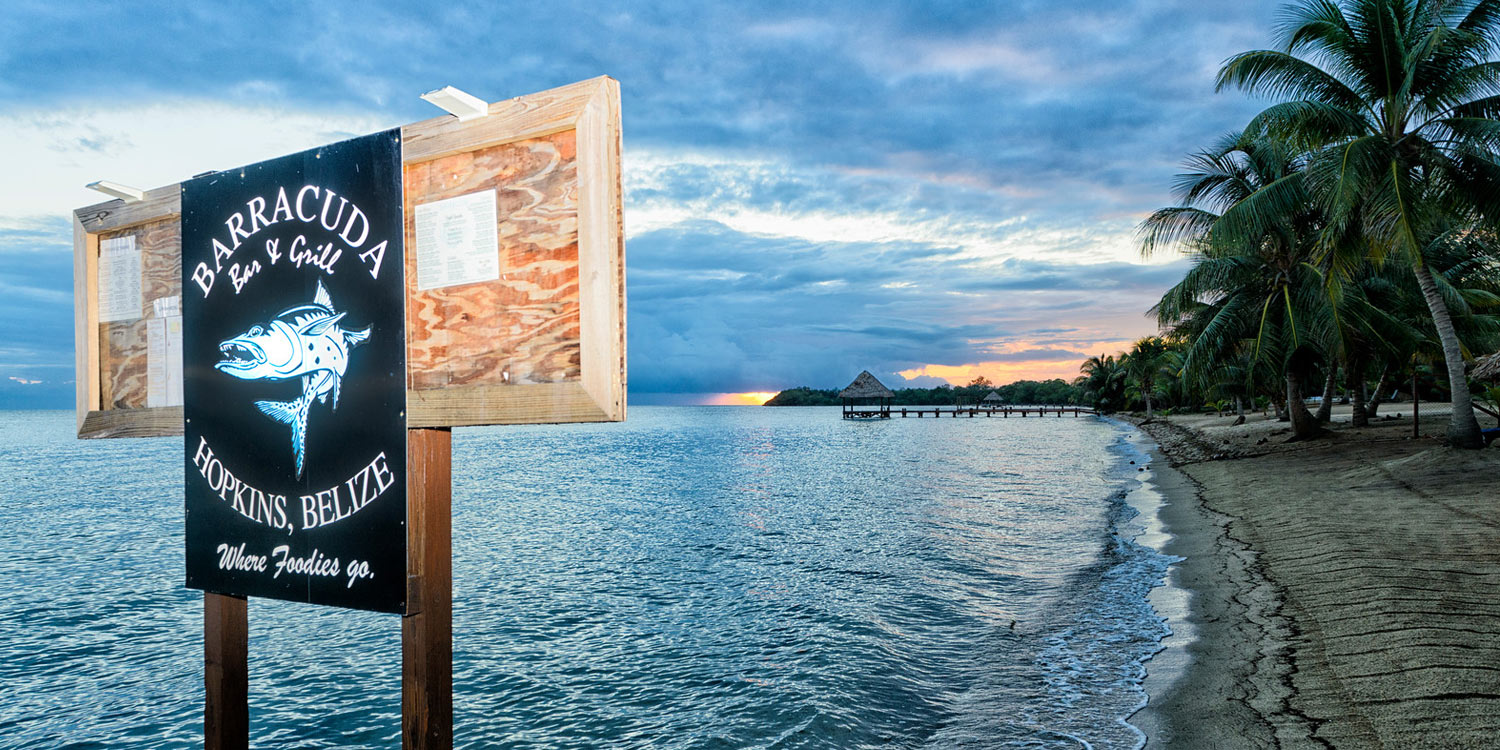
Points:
(695, 577)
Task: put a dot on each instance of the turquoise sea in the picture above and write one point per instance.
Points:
(696, 577)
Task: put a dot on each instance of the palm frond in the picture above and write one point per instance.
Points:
(1282, 76)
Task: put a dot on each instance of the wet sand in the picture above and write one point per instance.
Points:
(1345, 591)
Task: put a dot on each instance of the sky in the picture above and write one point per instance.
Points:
(930, 191)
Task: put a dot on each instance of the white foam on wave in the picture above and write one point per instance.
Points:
(1168, 599)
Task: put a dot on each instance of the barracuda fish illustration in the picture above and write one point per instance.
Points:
(300, 342)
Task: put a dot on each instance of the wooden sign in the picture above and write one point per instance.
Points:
(294, 395)
(536, 334)
(504, 272)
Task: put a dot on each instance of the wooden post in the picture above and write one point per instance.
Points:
(226, 673)
(427, 629)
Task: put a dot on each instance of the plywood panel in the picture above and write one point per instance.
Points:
(122, 362)
(524, 327)
(122, 355)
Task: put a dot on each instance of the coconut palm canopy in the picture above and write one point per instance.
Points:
(1369, 188)
(866, 386)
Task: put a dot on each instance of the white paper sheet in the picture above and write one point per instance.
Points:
(119, 279)
(166, 307)
(164, 361)
(457, 241)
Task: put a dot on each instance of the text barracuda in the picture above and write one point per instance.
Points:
(242, 225)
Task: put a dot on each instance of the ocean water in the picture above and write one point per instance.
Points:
(709, 577)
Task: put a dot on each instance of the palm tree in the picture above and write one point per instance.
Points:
(1380, 323)
(1251, 230)
(1103, 382)
(1235, 378)
(1173, 383)
(1398, 101)
(1143, 365)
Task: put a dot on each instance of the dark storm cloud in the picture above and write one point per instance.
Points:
(1008, 92)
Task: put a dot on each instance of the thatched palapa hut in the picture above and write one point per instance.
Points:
(993, 400)
(866, 398)
(1487, 367)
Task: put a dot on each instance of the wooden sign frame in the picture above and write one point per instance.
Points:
(467, 363)
(543, 343)
(153, 221)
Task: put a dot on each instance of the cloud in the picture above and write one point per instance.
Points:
(36, 298)
(879, 184)
(715, 309)
(146, 146)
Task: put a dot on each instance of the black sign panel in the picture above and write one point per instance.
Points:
(294, 377)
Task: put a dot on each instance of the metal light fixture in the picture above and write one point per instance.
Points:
(123, 192)
(460, 104)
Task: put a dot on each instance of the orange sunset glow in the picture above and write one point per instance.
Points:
(750, 398)
(1001, 373)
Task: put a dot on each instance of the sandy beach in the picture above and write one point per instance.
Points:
(1345, 592)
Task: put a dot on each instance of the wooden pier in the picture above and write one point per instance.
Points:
(868, 398)
(1003, 411)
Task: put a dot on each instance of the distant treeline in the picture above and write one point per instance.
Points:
(1047, 392)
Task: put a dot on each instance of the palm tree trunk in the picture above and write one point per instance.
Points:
(1239, 406)
(1325, 409)
(1304, 425)
(1356, 385)
(1463, 428)
(1379, 398)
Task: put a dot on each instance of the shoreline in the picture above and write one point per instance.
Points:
(1342, 591)
(1225, 632)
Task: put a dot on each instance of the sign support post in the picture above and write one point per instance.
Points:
(226, 673)
(427, 628)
